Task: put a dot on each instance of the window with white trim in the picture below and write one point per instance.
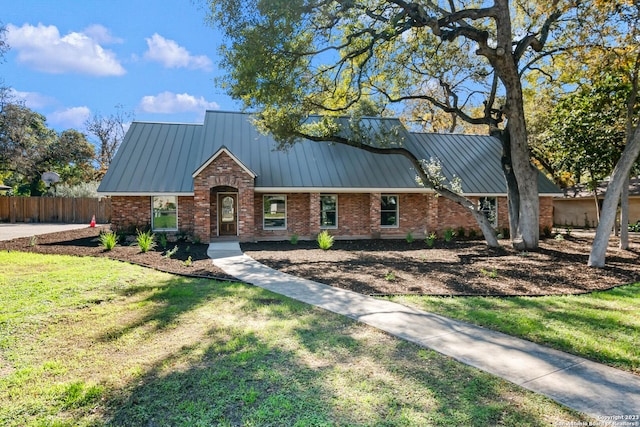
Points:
(329, 211)
(164, 215)
(389, 210)
(274, 213)
(489, 207)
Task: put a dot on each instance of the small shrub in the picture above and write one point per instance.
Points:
(171, 252)
(108, 240)
(460, 232)
(145, 241)
(182, 235)
(196, 240)
(188, 262)
(430, 240)
(294, 239)
(163, 240)
(473, 233)
(409, 237)
(390, 276)
(635, 227)
(492, 274)
(325, 240)
(546, 231)
(569, 230)
(33, 241)
(449, 234)
(559, 237)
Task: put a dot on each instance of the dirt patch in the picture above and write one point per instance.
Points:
(382, 267)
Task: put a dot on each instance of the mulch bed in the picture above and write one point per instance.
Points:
(387, 267)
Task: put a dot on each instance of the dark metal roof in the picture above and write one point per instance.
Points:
(159, 158)
(475, 159)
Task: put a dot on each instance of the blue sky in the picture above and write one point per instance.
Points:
(71, 59)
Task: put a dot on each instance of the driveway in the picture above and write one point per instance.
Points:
(16, 230)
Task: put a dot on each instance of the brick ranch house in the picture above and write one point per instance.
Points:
(224, 179)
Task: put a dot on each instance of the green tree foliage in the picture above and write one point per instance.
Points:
(28, 148)
(588, 128)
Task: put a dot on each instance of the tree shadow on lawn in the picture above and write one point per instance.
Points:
(334, 372)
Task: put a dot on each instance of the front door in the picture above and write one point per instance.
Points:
(227, 214)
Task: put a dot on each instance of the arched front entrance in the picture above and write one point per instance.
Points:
(224, 211)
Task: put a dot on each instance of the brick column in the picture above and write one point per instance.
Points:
(432, 213)
(374, 215)
(246, 213)
(314, 215)
(202, 216)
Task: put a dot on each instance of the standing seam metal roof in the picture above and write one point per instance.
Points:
(160, 158)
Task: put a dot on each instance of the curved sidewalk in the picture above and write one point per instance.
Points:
(583, 385)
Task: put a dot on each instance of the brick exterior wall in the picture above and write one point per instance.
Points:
(134, 212)
(186, 212)
(358, 213)
(452, 215)
(546, 213)
(130, 212)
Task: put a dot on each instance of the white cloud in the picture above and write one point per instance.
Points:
(101, 34)
(73, 117)
(171, 55)
(43, 49)
(33, 100)
(169, 103)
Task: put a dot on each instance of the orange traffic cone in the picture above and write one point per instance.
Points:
(93, 221)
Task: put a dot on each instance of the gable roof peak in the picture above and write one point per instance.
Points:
(224, 150)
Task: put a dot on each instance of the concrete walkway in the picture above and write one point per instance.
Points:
(588, 387)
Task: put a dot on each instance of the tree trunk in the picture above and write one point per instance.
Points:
(485, 226)
(504, 62)
(610, 205)
(528, 227)
(513, 197)
(624, 215)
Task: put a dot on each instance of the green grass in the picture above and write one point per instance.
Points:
(92, 342)
(602, 326)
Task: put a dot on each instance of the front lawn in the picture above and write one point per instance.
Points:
(602, 326)
(92, 341)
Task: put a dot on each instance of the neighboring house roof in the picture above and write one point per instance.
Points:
(158, 158)
(582, 190)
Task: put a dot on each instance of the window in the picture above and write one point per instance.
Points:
(489, 207)
(275, 212)
(329, 211)
(389, 211)
(165, 213)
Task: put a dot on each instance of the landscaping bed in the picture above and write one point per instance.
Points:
(387, 267)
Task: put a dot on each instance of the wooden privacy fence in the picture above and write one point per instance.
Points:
(55, 209)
